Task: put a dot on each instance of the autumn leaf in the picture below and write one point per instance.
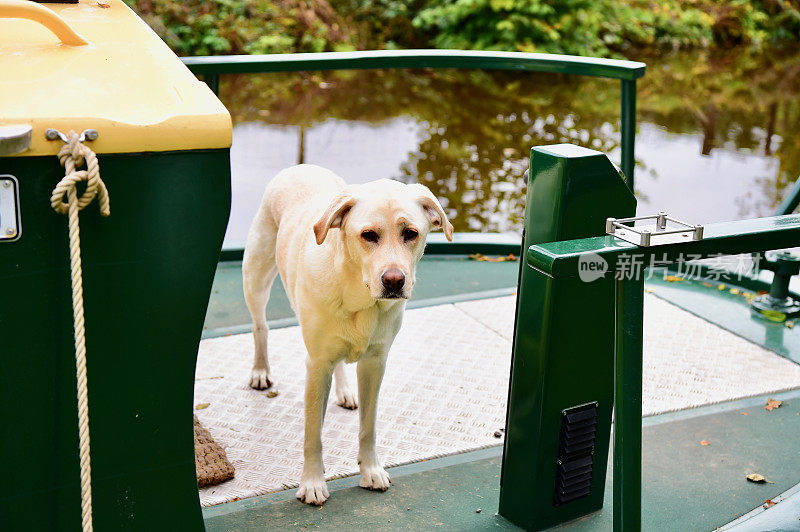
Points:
(705, 442)
(745, 413)
(483, 258)
(104, 4)
(769, 503)
(202, 406)
(673, 279)
(773, 404)
(272, 393)
(756, 477)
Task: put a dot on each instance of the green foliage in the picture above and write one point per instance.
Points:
(198, 27)
(605, 28)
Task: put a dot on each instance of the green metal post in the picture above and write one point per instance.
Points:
(212, 80)
(628, 404)
(572, 190)
(628, 128)
(561, 260)
(792, 199)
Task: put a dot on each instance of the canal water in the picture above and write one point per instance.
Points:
(718, 136)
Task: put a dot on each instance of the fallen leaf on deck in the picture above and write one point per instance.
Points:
(722, 287)
(745, 413)
(769, 503)
(483, 258)
(104, 4)
(673, 279)
(772, 404)
(202, 406)
(272, 393)
(790, 325)
(735, 291)
(756, 477)
(705, 442)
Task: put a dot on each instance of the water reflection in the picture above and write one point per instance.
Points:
(717, 138)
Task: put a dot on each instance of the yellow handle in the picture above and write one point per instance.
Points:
(37, 13)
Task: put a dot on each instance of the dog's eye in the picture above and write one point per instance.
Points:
(370, 236)
(409, 235)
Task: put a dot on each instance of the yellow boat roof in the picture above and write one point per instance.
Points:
(125, 83)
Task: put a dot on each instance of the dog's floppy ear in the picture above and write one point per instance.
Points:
(333, 215)
(433, 209)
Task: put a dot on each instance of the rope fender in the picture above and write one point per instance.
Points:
(72, 155)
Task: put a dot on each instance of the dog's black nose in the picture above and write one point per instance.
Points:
(393, 280)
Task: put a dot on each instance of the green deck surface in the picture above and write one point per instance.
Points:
(686, 486)
(438, 276)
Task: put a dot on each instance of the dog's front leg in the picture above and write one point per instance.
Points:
(370, 374)
(313, 489)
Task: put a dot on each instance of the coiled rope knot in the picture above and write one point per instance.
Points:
(71, 156)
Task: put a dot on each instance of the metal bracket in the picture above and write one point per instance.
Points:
(10, 223)
(666, 230)
(86, 134)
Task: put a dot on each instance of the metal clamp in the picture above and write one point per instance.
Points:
(86, 134)
(656, 234)
(778, 305)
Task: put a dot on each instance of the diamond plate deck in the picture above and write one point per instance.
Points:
(445, 389)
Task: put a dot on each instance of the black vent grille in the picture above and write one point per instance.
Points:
(575, 453)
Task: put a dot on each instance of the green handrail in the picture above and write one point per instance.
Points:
(210, 67)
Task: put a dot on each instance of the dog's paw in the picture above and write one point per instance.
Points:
(346, 399)
(375, 478)
(259, 379)
(314, 491)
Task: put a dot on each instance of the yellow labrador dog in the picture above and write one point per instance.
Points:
(347, 257)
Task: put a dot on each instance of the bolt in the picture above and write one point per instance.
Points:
(698, 232)
(661, 220)
(6, 184)
(11, 231)
(644, 240)
(89, 134)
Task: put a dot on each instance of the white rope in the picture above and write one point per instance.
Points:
(72, 155)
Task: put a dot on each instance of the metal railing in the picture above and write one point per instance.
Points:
(627, 72)
(790, 202)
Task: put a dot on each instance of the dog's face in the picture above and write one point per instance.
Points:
(384, 225)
